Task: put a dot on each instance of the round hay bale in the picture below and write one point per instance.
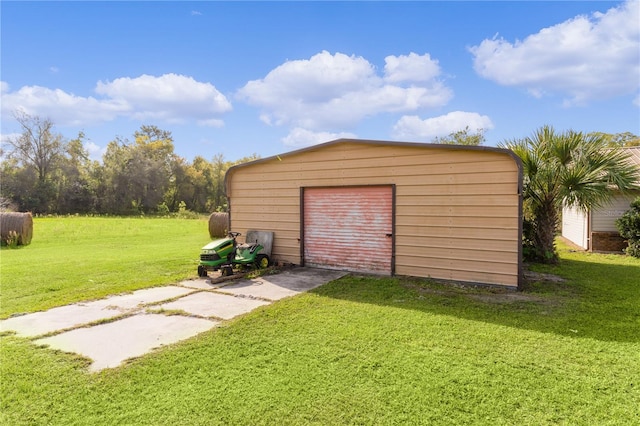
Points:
(16, 226)
(218, 224)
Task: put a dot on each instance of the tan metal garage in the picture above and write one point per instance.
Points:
(440, 211)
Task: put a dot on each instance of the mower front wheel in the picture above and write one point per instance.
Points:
(262, 261)
(202, 271)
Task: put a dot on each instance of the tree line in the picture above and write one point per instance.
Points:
(43, 173)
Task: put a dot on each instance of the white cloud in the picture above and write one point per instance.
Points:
(412, 127)
(411, 68)
(61, 107)
(337, 91)
(299, 137)
(585, 58)
(171, 98)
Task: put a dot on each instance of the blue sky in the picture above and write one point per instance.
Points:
(238, 78)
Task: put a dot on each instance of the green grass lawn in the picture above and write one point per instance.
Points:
(359, 350)
(79, 258)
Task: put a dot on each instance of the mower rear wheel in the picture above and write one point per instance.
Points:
(262, 261)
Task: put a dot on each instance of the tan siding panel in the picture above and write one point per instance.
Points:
(479, 201)
(473, 276)
(461, 222)
(428, 170)
(379, 173)
(427, 188)
(456, 253)
(453, 265)
(463, 211)
(450, 232)
(256, 208)
(494, 245)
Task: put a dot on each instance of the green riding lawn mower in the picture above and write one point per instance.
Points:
(226, 255)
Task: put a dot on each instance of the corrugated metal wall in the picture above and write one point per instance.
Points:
(349, 228)
(457, 210)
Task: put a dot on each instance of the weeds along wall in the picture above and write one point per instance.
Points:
(457, 209)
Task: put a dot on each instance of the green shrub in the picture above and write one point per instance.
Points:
(162, 209)
(629, 227)
(184, 213)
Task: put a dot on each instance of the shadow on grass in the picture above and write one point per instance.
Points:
(596, 300)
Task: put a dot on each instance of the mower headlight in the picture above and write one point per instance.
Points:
(208, 251)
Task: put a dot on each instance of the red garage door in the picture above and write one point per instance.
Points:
(349, 228)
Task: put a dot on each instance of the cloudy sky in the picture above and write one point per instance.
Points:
(268, 77)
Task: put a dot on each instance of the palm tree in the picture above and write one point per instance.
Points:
(567, 168)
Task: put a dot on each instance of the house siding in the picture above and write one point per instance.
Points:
(603, 235)
(603, 219)
(458, 210)
(600, 224)
(575, 227)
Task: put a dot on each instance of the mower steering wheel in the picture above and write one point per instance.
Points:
(234, 234)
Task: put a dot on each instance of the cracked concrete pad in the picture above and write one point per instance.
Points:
(108, 345)
(56, 319)
(71, 316)
(208, 304)
(284, 284)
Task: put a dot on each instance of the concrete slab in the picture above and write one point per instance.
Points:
(285, 284)
(111, 343)
(207, 304)
(71, 316)
(108, 345)
(56, 319)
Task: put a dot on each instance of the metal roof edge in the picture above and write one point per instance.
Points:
(425, 145)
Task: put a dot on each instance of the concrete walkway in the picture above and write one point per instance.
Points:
(131, 325)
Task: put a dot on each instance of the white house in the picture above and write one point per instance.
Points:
(596, 230)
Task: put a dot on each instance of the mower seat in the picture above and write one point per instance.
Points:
(251, 247)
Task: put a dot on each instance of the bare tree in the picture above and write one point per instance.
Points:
(37, 146)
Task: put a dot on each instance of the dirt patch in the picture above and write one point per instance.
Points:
(531, 277)
(511, 297)
(489, 295)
